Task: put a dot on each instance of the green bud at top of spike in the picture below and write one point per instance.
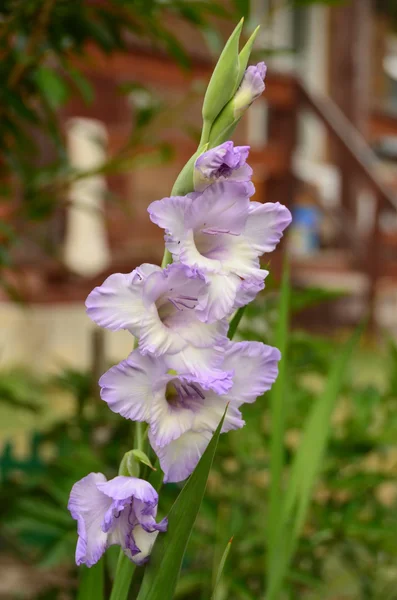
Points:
(243, 95)
(224, 81)
(245, 54)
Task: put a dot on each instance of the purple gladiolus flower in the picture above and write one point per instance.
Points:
(161, 307)
(143, 388)
(182, 413)
(225, 162)
(255, 368)
(121, 511)
(222, 234)
(250, 89)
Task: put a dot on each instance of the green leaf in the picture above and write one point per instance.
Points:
(52, 86)
(221, 567)
(92, 582)
(82, 84)
(162, 572)
(305, 469)
(13, 102)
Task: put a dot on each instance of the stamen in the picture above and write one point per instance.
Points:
(174, 303)
(177, 302)
(178, 389)
(197, 390)
(211, 231)
(188, 298)
(185, 305)
(185, 388)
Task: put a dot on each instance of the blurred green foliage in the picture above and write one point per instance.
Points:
(348, 545)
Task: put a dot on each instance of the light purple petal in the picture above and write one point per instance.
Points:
(208, 416)
(251, 87)
(117, 303)
(179, 459)
(204, 364)
(249, 289)
(255, 370)
(222, 207)
(123, 488)
(177, 293)
(221, 296)
(169, 213)
(145, 513)
(88, 506)
(169, 421)
(265, 225)
(128, 387)
(225, 162)
(155, 338)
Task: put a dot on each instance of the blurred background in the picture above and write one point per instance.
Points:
(99, 110)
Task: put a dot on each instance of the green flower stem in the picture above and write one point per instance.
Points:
(122, 581)
(205, 134)
(139, 436)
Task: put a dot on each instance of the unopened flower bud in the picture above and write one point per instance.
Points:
(250, 89)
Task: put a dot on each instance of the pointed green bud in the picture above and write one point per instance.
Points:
(245, 54)
(250, 88)
(223, 82)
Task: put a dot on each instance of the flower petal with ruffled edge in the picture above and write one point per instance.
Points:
(88, 507)
(255, 369)
(143, 389)
(265, 225)
(157, 306)
(117, 303)
(114, 512)
(179, 458)
(128, 387)
(221, 233)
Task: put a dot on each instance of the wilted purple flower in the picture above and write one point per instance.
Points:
(121, 511)
(143, 388)
(255, 367)
(160, 307)
(222, 234)
(251, 87)
(225, 162)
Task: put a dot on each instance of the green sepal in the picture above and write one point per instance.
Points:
(245, 54)
(184, 183)
(143, 458)
(224, 81)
